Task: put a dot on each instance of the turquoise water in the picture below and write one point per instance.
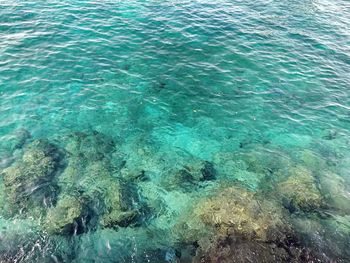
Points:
(174, 131)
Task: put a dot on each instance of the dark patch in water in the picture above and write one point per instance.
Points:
(289, 205)
(208, 171)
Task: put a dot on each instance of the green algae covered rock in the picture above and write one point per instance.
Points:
(90, 175)
(112, 192)
(30, 181)
(99, 188)
(300, 191)
(85, 150)
(117, 210)
(64, 216)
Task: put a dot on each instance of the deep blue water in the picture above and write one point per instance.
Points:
(174, 131)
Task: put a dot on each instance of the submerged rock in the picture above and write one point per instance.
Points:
(189, 177)
(92, 146)
(90, 175)
(233, 212)
(234, 250)
(239, 225)
(118, 204)
(185, 180)
(238, 211)
(64, 217)
(29, 182)
(300, 191)
(208, 171)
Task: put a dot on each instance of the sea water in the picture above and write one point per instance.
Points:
(174, 131)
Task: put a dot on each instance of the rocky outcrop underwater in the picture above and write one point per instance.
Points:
(82, 198)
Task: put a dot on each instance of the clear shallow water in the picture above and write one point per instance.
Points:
(175, 126)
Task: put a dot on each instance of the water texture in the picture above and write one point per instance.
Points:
(174, 131)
